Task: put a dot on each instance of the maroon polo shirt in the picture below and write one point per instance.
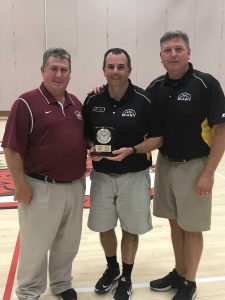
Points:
(49, 137)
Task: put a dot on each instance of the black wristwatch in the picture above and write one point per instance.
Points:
(134, 150)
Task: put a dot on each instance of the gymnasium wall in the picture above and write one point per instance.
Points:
(87, 28)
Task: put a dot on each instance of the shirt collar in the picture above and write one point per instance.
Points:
(126, 96)
(49, 97)
(182, 81)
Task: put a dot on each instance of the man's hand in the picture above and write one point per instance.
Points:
(97, 89)
(120, 154)
(93, 156)
(204, 184)
(23, 193)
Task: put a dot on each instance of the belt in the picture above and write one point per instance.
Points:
(114, 174)
(174, 159)
(46, 178)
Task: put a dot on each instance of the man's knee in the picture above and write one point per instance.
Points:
(130, 236)
(193, 235)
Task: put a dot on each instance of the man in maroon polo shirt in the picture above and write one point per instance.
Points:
(46, 154)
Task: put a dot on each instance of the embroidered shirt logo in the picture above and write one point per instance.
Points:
(78, 115)
(129, 113)
(184, 97)
(48, 112)
(99, 109)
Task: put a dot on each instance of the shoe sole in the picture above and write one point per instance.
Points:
(193, 297)
(106, 290)
(167, 288)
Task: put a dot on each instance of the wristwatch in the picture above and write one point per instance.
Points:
(134, 150)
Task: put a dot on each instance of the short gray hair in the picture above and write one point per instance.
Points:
(175, 34)
(56, 52)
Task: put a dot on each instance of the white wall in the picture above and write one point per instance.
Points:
(87, 28)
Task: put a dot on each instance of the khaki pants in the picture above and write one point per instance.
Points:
(53, 221)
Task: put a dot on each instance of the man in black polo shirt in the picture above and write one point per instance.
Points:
(122, 117)
(192, 108)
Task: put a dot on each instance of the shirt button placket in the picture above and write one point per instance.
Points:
(170, 94)
(114, 107)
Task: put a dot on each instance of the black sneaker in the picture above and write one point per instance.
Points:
(187, 291)
(105, 282)
(68, 295)
(170, 281)
(123, 290)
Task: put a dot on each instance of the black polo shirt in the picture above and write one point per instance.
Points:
(189, 108)
(133, 118)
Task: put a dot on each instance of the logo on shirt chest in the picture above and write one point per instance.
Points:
(78, 114)
(184, 97)
(129, 113)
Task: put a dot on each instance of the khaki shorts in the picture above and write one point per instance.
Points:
(123, 196)
(175, 196)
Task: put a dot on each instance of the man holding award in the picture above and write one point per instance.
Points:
(121, 129)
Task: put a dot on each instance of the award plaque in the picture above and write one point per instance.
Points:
(103, 139)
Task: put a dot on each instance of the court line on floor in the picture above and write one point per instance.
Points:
(12, 271)
(220, 175)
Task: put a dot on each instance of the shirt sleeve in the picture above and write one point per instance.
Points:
(215, 104)
(18, 128)
(153, 120)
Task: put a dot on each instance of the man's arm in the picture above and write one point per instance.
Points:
(147, 145)
(23, 191)
(206, 180)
